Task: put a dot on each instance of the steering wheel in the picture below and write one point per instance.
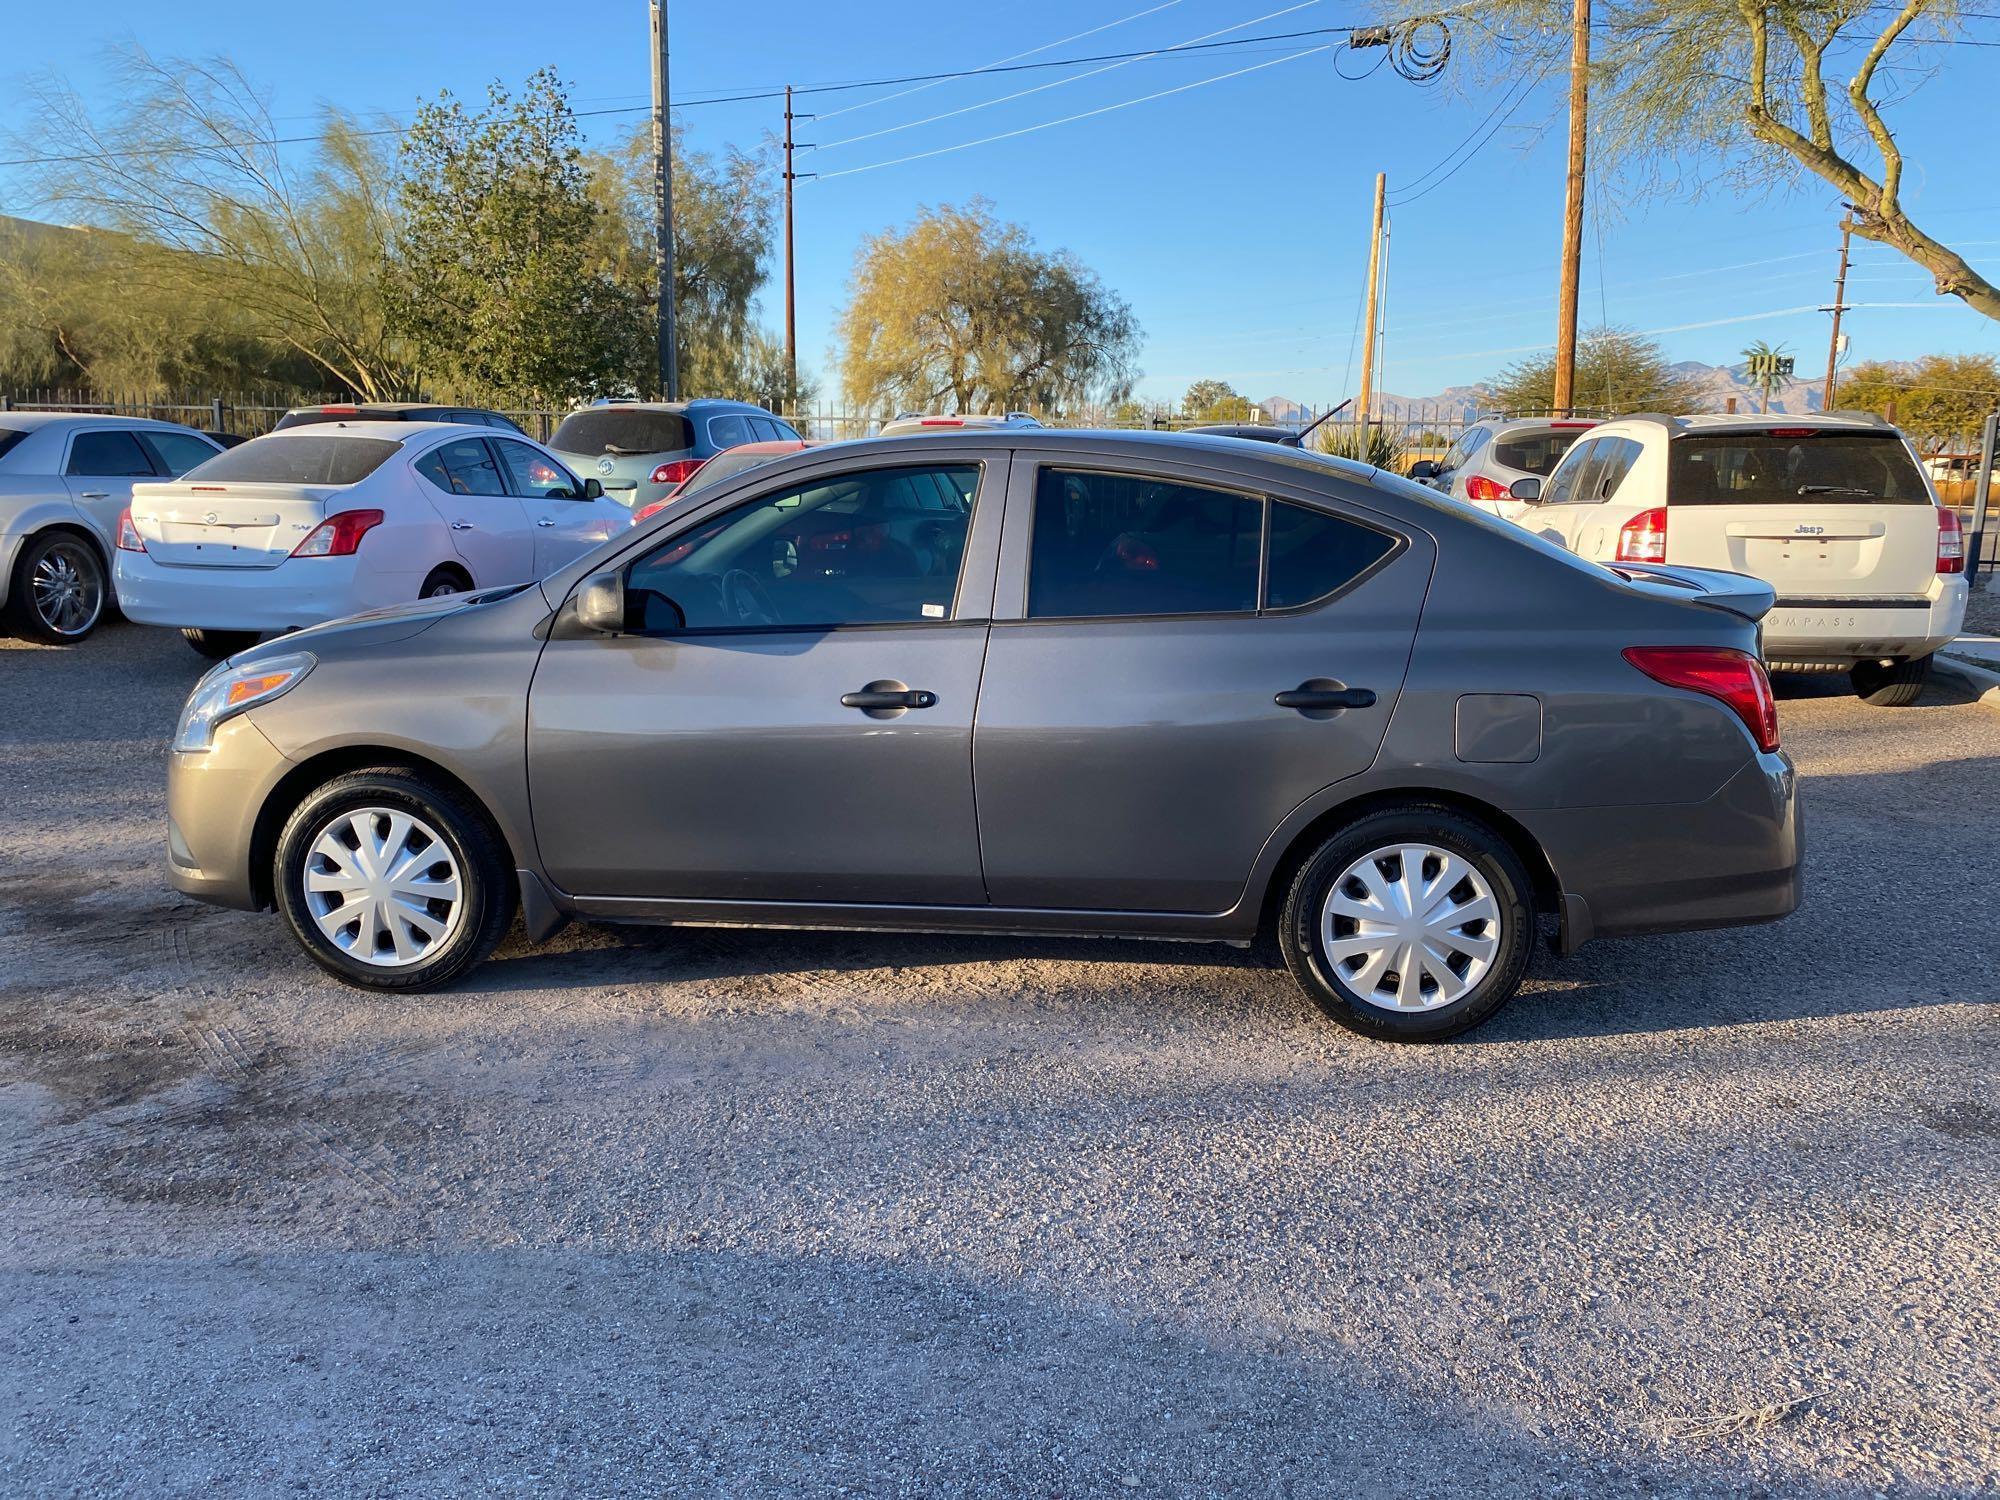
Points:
(745, 600)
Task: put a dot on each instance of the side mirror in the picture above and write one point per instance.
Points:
(592, 490)
(1528, 490)
(1425, 468)
(600, 604)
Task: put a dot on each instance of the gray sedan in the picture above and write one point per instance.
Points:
(1021, 681)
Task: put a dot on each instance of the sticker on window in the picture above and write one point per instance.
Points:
(933, 611)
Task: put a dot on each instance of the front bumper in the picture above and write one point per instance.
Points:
(1840, 632)
(297, 593)
(214, 799)
(1734, 859)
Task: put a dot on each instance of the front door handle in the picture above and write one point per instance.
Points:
(461, 526)
(96, 495)
(1322, 696)
(545, 521)
(881, 698)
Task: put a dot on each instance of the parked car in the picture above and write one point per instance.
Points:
(642, 450)
(729, 462)
(318, 522)
(64, 482)
(916, 421)
(394, 411)
(1833, 511)
(1397, 732)
(1482, 465)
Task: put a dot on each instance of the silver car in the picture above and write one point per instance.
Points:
(65, 483)
(641, 451)
(1025, 682)
(1481, 466)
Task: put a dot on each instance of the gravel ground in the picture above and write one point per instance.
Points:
(734, 1213)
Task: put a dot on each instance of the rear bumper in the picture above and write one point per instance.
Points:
(1840, 632)
(296, 593)
(1735, 859)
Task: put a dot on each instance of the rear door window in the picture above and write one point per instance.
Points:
(177, 452)
(109, 454)
(624, 431)
(1123, 544)
(1313, 554)
(771, 430)
(304, 459)
(464, 466)
(1797, 466)
(1574, 477)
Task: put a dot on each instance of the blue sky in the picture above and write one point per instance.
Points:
(1231, 212)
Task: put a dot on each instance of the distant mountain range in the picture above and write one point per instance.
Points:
(1458, 403)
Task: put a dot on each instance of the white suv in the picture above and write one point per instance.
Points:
(1834, 512)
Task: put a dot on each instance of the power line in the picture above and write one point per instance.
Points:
(1520, 97)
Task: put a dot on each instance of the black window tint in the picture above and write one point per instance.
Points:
(305, 459)
(729, 431)
(535, 475)
(9, 438)
(627, 430)
(1819, 467)
(1313, 553)
(1116, 544)
(110, 454)
(177, 452)
(1534, 452)
(848, 550)
(462, 467)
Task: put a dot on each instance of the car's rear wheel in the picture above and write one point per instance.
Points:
(391, 881)
(59, 591)
(1895, 686)
(443, 581)
(218, 644)
(1410, 924)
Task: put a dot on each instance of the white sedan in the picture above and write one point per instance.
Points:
(318, 522)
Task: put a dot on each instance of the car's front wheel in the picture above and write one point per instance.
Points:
(1409, 924)
(391, 881)
(59, 591)
(217, 645)
(1897, 685)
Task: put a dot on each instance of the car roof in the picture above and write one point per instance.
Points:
(1839, 421)
(368, 406)
(706, 403)
(25, 421)
(395, 432)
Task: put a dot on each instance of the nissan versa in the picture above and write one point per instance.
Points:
(1023, 681)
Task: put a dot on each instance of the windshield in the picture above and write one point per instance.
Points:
(308, 458)
(627, 430)
(1789, 466)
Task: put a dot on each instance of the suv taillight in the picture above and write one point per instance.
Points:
(1644, 537)
(129, 539)
(1951, 542)
(680, 471)
(1733, 677)
(1479, 487)
(338, 535)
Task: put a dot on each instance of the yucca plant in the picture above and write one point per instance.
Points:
(1382, 446)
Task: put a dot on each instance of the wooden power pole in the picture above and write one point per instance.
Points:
(1572, 248)
(791, 296)
(663, 206)
(1365, 408)
(1838, 307)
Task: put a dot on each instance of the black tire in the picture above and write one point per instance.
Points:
(1896, 686)
(38, 601)
(486, 879)
(218, 645)
(1301, 943)
(443, 580)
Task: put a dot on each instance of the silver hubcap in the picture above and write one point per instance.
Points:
(67, 591)
(1410, 927)
(442, 587)
(383, 887)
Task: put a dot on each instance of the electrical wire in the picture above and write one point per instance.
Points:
(1520, 97)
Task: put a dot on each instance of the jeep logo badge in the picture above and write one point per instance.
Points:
(1811, 530)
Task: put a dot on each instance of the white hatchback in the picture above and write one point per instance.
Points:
(314, 523)
(1834, 512)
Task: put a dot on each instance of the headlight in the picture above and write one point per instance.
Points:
(229, 690)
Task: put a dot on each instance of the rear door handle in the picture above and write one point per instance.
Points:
(97, 494)
(1307, 698)
(545, 521)
(461, 526)
(878, 698)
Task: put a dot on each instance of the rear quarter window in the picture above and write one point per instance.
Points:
(1314, 554)
(304, 459)
(1806, 467)
(10, 439)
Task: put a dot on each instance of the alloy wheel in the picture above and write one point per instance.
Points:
(67, 591)
(383, 887)
(1410, 927)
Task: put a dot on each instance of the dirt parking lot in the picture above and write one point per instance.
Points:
(730, 1213)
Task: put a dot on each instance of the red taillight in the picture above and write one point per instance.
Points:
(829, 541)
(1736, 678)
(942, 422)
(680, 471)
(1479, 487)
(338, 535)
(1793, 432)
(129, 539)
(1136, 556)
(1951, 542)
(1644, 537)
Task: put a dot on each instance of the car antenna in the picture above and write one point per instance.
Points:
(1298, 439)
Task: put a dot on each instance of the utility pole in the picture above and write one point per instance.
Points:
(1572, 249)
(1366, 407)
(663, 206)
(791, 298)
(1839, 306)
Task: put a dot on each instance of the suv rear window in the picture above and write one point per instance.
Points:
(1535, 452)
(1796, 466)
(306, 459)
(614, 431)
(313, 415)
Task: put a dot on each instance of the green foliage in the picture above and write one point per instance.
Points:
(960, 311)
(1209, 401)
(1938, 399)
(1616, 371)
(1376, 444)
(1765, 380)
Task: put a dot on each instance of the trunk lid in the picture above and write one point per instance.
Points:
(1749, 598)
(241, 525)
